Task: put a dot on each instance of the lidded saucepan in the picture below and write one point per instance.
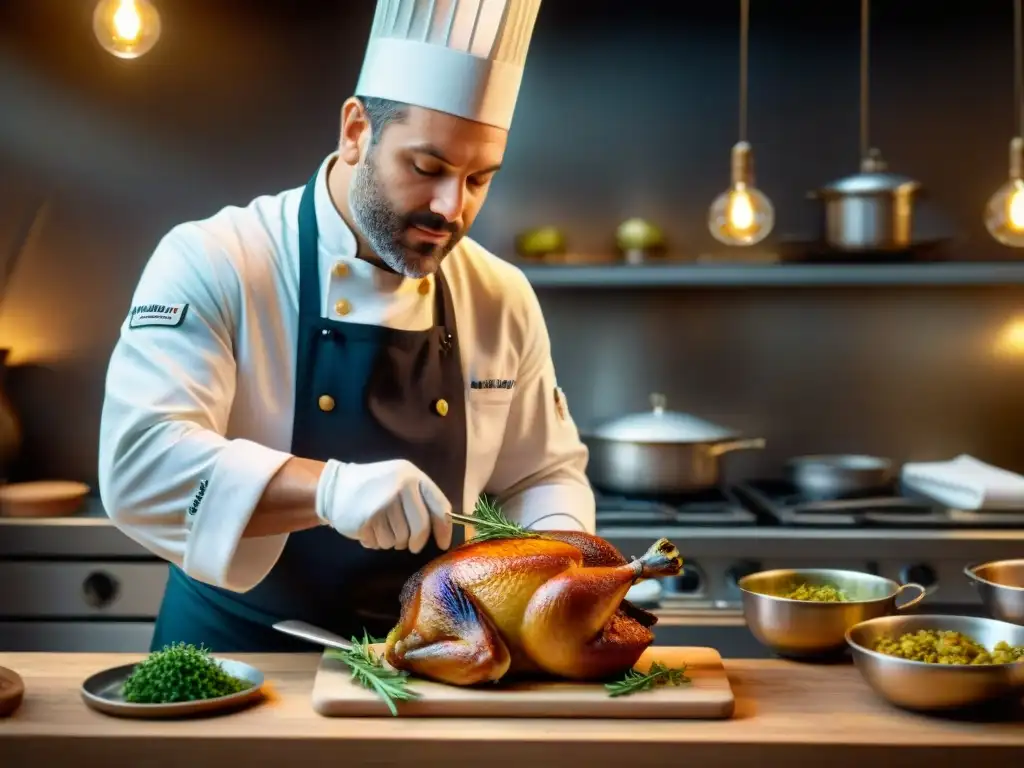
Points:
(660, 451)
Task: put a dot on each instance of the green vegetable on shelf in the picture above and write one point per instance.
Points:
(639, 235)
(541, 241)
(178, 673)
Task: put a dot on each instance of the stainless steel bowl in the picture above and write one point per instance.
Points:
(805, 629)
(1001, 587)
(922, 686)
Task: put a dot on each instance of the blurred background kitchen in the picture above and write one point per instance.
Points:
(627, 111)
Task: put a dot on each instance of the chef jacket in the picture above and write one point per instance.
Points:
(197, 415)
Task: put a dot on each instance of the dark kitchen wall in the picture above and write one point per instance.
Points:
(625, 111)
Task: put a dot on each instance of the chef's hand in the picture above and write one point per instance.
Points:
(383, 505)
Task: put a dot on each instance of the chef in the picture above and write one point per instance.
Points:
(305, 387)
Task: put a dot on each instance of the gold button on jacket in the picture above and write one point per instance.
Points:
(441, 406)
(340, 269)
(342, 307)
(326, 403)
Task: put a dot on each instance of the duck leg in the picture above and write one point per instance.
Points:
(573, 627)
(448, 639)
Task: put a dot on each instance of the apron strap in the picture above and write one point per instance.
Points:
(309, 281)
(444, 312)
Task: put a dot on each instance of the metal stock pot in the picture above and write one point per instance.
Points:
(870, 211)
(659, 452)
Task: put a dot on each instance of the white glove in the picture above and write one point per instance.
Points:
(384, 505)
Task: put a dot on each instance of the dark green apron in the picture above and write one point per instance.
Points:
(385, 384)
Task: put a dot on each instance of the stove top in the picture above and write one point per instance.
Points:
(777, 503)
(714, 507)
(782, 503)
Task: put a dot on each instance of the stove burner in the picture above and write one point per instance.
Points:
(782, 502)
(714, 507)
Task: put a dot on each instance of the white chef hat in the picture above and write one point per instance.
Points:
(463, 57)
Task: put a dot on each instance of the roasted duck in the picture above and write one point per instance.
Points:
(552, 604)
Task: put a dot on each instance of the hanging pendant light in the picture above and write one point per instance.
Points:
(873, 210)
(1004, 213)
(742, 215)
(126, 28)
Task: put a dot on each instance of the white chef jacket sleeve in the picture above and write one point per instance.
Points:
(539, 479)
(168, 477)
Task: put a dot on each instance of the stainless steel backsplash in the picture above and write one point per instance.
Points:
(910, 373)
(632, 116)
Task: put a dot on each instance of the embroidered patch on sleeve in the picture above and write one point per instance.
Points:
(193, 507)
(561, 406)
(166, 315)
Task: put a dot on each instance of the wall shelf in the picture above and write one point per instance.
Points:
(782, 275)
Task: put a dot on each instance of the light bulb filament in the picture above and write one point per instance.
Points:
(127, 21)
(1015, 209)
(740, 213)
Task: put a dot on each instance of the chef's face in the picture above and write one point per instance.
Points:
(416, 192)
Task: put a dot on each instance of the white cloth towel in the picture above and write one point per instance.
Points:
(966, 483)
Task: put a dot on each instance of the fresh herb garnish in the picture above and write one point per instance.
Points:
(370, 671)
(179, 672)
(489, 523)
(658, 675)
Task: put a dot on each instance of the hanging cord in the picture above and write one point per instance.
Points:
(1018, 65)
(744, 27)
(865, 101)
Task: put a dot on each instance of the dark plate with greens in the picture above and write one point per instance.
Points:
(178, 681)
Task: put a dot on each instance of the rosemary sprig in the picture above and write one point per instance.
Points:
(489, 523)
(658, 675)
(369, 671)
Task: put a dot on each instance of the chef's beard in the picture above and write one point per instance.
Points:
(383, 227)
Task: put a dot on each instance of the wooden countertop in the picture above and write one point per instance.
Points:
(785, 711)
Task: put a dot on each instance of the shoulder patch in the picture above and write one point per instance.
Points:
(166, 315)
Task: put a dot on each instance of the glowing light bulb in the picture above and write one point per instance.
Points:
(1010, 340)
(740, 210)
(741, 215)
(126, 28)
(1016, 216)
(1004, 213)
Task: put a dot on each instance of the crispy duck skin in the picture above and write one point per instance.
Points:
(552, 605)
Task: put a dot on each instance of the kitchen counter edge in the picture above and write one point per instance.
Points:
(784, 711)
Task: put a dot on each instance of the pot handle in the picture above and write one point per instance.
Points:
(915, 601)
(736, 445)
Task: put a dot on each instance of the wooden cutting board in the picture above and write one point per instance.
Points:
(707, 696)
